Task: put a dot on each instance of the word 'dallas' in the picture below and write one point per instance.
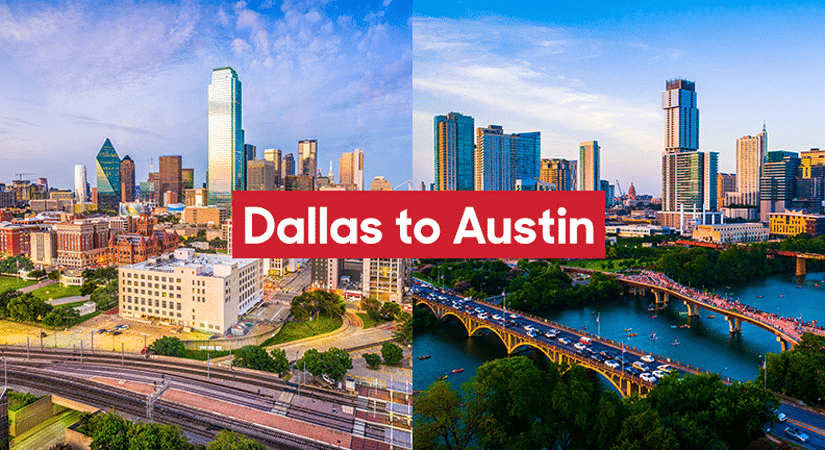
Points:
(512, 224)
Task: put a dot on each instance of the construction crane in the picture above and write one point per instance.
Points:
(20, 175)
(621, 192)
(408, 183)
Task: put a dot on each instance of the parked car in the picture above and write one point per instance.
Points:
(612, 364)
(797, 434)
(648, 359)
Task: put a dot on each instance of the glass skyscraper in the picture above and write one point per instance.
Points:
(589, 166)
(501, 159)
(108, 177)
(225, 140)
(454, 155)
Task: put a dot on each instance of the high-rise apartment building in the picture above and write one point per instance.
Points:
(250, 152)
(225, 140)
(127, 179)
(681, 116)
(351, 169)
(80, 185)
(171, 179)
(725, 184)
(307, 157)
(691, 180)
(750, 155)
(454, 153)
(501, 159)
(385, 278)
(187, 178)
(108, 177)
(589, 166)
(777, 187)
(274, 156)
(559, 172)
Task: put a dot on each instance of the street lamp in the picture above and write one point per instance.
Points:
(765, 368)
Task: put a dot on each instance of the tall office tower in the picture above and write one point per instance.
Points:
(691, 179)
(108, 177)
(187, 178)
(725, 183)
(559, 172)
(351, 169)
(250, 152)
(574, 175)
(80, 190)
(589, 160)
(170, 178)
(261, 175)
(274, 156)
(501, 159)
(454, 152)
(777, 185)
(307, 157)
(750, 155)
(225, 140)
(288, 166)
(385, 278)
(681, 116)
(127, 179)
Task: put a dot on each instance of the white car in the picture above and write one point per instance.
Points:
(648, 377)
(666, 368)
(564, 341)
(658, 374)
(579, 346)
(648, 358)
(612, 364)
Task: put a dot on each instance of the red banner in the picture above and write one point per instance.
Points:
(418, 224)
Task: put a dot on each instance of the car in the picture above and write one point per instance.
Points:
(639, 365)
(658, 374)
(666, 368)
(550, 335)
(116, 332)
(102, 330)
(531, 334)
(579, 346)
(648, 359)
(585, 340)
(632, 370)
(564, 341)
(797, 434)
(781, 417)
(327, 378)
(597, 357)
(612, 364)
(648, 377)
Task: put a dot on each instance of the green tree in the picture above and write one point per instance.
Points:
(390, 310)
(108, 431)
(230, 440)
(168, 346)
(799, 372)
(392, 353)
(54, 275)
(373, 307)
(445, 420)
(154, 436)
(88, 286)
(280, 361)
(334, 363)
(404, 331)
(372, 359)
(253, 357)
(105, 297)
(61, 317)
(27, 308)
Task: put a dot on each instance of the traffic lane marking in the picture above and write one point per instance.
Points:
(810, 428)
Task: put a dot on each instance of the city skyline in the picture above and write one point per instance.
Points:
(588, 72)
(146, 88)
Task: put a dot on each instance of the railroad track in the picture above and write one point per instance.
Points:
(179, 368)
(197, 422)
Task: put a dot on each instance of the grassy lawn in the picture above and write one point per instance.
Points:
(365, 318)
(292, 331)
(7, 283)
(56, 290)
(201, 355)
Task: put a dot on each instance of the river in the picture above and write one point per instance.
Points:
(706, 343)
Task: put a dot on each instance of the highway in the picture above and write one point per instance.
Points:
(809, 422)
(213, 398)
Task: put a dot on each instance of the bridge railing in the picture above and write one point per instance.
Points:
(536, 343)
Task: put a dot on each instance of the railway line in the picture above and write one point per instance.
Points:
(67, 373)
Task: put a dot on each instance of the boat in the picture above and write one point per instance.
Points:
(674, 326)
(799, 286)
(781, 295)
(675, 342)
(654, 316)
(457, 371)
(632, 334)
(423, 357)
(442, 377)
(711, 316)
(758, 296)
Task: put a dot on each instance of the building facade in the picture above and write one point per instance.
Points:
(81, 190)
(274, 155)
(501, 159)
(792, 223)
(204, 215)
(385, 278)
(225, 137)
(681, 116)
(260, 175)
(127, 180)
(726, 186)
(689, 179)
(454, 158)
(82, 243)
(589, 162)
(777, 186)
(307, 157)
(202, 292)
(750, 155)
(108, 177)
(731, 233)
(558, 172)
(351, 169)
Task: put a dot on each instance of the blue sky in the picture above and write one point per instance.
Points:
(591, 70)
(75, 73)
